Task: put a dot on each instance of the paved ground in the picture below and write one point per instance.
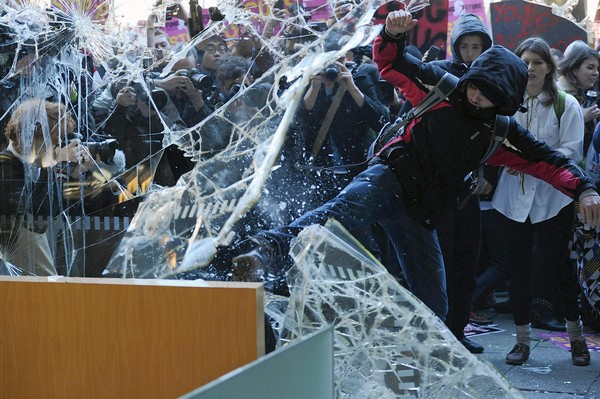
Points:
(549, 373)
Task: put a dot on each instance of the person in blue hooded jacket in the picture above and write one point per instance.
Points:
(416, 177)
(468, 39)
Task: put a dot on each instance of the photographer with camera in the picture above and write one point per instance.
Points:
(327, 142)
(187, 89)
(338, 110)
(33, 171)
(135, 120)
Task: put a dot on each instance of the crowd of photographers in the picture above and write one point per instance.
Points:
(123, 118)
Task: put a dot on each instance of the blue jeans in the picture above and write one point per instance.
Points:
(375, 196)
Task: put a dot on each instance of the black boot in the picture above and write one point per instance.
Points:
(261, 264)
(542, 316)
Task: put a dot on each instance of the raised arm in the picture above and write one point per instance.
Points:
(398, 67)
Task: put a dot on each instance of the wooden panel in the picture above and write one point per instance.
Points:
(115, 338)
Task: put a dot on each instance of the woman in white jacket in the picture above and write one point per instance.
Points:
(537, 219)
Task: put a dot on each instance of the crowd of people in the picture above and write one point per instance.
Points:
(415, 188)
(512, 133)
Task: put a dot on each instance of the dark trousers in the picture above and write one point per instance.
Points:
(459, 234)
(547, 245)
(376, 196)
(494, 256)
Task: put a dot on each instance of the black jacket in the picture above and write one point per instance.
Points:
(441, 147)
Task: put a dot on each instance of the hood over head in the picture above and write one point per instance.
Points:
(501, 76)
(468, 24)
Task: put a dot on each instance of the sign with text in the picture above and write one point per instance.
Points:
(432, 27)
(177, 31)
(456, 8)
(514, 21)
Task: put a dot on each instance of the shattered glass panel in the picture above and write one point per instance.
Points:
(156, 175)
(167, 173)
(196, 172)
(387, 344)
(234, 150)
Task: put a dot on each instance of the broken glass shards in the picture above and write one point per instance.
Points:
(387, 343)
(229, 180)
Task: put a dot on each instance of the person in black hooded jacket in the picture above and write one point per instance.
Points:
(413, 180)
(459, 230)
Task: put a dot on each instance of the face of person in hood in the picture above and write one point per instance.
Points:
(587, 73)
(476, 97)
(470, 47)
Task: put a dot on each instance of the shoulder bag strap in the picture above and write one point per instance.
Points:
(335, 104)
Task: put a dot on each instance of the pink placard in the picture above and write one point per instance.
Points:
(318, 9)
(458, 7)
(177, 31)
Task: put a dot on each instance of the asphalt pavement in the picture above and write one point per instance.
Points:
(549, 373)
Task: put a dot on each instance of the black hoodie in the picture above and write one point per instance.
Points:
(450, 140)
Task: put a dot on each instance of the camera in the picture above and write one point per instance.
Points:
(215, 14)
(105, 149)
(362, 51)
(102, 146)
(171, 11)
(332, 72)
(201, 81)
(147, 62)
(159, 97)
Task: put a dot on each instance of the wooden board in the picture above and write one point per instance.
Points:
(117, 338)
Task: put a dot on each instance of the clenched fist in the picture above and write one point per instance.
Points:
(398, 22)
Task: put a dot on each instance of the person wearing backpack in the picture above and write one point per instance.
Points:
(418, 173)
(537, 219)
(459, 230)
(578, 75)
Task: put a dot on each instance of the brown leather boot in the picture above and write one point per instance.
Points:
(518, 355)
(580, 354)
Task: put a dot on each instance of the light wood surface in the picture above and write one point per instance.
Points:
(117, 338)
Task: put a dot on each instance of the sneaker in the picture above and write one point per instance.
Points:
(477, 318)
(580, 354)
(518, 355)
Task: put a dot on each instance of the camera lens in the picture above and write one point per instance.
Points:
(331, 72)
(201, 81)
(105, 149)
(159, 97)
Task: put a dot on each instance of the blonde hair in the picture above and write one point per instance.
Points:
(38, 113)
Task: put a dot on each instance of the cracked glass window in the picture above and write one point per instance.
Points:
(156, 151)
(387, 344)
